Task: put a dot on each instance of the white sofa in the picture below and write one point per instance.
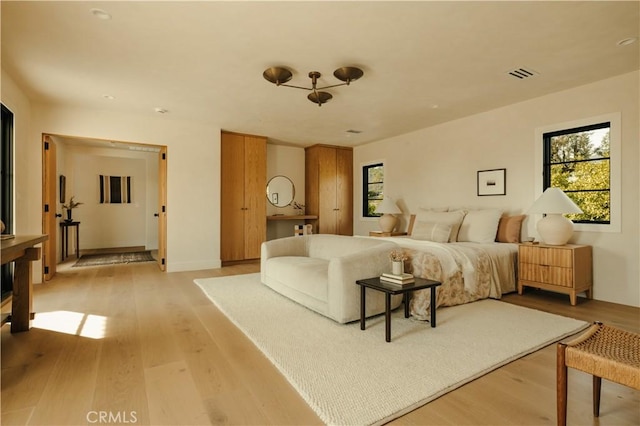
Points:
(319, 271)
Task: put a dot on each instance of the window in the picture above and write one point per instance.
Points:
(372, 188)
(6, 192)
(578, 161)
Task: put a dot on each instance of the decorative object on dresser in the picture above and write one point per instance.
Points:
(280, 75)
(554, 228)
(492, 182)
(243, 206)
(389, 209)
(329, 188)
(565, 269)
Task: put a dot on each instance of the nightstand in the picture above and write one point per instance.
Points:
(564, 269)
(386, 234)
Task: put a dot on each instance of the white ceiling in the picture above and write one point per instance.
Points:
(424, 62)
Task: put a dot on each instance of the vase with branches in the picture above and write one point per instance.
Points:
(69, 207)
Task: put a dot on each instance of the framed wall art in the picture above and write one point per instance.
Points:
(63, 189)
(492, 182)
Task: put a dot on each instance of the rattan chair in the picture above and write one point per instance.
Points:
(604, 352)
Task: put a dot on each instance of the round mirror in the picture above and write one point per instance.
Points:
(280, 191)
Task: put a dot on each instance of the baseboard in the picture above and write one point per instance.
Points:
(193, 266)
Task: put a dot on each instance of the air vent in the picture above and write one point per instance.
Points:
(355, 132)
(522, 73)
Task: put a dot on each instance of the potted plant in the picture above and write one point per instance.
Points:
(72, 205)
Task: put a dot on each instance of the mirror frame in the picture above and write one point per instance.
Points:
(278, 203)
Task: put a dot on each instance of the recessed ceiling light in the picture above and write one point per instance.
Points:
(160, 110)
(100, 14)
(627, 41)
(109, 97)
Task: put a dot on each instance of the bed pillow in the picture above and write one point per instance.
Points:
(453, 219)
(509, 229)
(430, 231)
(480, 226)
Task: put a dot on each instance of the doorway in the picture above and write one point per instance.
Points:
(60, 165)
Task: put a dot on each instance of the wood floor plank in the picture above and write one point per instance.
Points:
(173, 396)
(170, 355)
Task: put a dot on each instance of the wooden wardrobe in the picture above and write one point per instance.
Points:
(243, 201)
(329, 188)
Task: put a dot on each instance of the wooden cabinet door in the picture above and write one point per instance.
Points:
(327, 209)
(255, 200)
(232, 197)
(344, 192)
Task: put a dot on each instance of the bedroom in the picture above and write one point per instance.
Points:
(501, 137)
(417, 162)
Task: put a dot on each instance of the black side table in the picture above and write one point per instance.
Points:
(64, 225)
(389, 289)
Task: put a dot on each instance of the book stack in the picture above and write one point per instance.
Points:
(403, 279)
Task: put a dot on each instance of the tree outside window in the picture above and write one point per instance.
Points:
(373, 188)
(578, 162)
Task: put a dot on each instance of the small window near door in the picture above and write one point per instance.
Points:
(373, 188)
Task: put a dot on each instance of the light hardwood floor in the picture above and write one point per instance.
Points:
(146, 347)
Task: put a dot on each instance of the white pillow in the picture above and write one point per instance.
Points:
(429, 231)
(454, 219)
(480, 226)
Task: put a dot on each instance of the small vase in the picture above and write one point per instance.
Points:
(397, 268)
(69, 216)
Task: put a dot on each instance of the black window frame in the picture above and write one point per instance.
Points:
(547, 164)
(365, 189)
(6, 191)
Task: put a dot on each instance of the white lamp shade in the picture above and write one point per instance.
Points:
(554, 200)
(388, 206)
(554, 229)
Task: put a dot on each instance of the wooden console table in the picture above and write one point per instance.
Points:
(21, 250)
(65, 238)
(304, 217)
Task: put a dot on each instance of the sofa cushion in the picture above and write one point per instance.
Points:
(307, 274)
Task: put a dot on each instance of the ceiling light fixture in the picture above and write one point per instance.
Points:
(627, 41)
(160, 110)
(100, 14)
(279, 76)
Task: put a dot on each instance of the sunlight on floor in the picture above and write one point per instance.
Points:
(77, 323)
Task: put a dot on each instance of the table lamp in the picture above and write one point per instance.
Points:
(388, 208)
(554, 229)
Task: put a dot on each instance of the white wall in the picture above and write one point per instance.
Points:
(27, 170)
(286, 161)
(113, 225)
(437, 167)
(193, 175)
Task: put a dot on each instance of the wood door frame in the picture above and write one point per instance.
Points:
(49, 204)
(162, 197)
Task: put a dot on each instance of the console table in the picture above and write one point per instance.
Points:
(21, 250)
(65, 238)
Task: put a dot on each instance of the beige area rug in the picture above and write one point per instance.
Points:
(353, 377)
(114, 258)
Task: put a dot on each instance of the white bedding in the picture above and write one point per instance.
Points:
(468, 271)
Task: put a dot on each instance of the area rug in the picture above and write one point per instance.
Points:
(114, 258)
(353, 377)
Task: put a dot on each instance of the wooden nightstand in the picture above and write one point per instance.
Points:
(564, 269)
(386, 234)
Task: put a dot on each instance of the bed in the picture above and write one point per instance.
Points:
(473, 253)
